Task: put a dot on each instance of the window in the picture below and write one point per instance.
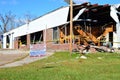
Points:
(55, 35)
(37, 37)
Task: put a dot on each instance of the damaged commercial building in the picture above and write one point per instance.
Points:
(92, 23)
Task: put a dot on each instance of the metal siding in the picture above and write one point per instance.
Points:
(50, 20)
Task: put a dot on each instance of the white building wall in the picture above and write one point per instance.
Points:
(49, 20)
(11, 46)
(116, 35)
(115, 40)
(4, 41)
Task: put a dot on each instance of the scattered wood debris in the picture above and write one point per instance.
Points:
(92, 49)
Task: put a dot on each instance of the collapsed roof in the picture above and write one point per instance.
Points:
(96, 14)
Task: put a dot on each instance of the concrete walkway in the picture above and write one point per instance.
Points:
(26, 60)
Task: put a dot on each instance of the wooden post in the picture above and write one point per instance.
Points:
(71, 24)
(44, 33)
(28, 41)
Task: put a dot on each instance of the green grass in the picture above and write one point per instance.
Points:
(63, 66)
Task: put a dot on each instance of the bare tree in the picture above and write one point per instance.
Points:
(19, 22)
(28, 17)
(12, 23)
(25, 19)
(7, 21)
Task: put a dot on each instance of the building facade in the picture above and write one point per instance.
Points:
(91, 22)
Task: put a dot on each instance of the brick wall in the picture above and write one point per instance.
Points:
(16, 43)
(51, 45)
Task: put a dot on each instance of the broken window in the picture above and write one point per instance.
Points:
(23, 40)
(36, 37)
(55, 35)
(8, 41)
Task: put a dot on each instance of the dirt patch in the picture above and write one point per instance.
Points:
(8, 56)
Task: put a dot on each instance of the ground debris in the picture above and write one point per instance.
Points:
(83, 57)
(92, 49)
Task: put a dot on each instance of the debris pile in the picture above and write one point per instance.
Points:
(92, 49)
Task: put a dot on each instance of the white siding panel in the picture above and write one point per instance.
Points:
(23, 30)
(50, 20)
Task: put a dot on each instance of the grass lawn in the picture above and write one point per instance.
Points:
(63, 66)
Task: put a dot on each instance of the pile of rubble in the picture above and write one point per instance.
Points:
(92, 49)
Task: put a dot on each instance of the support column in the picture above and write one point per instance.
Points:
(116, 37)
(71, 25)
(114, 40)
(10, 37)
(113, 14)
(11, 41)
(28, 41)
(16, 43)
(4, 42)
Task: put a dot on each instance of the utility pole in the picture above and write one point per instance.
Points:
(70, 2)
(71, 25)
